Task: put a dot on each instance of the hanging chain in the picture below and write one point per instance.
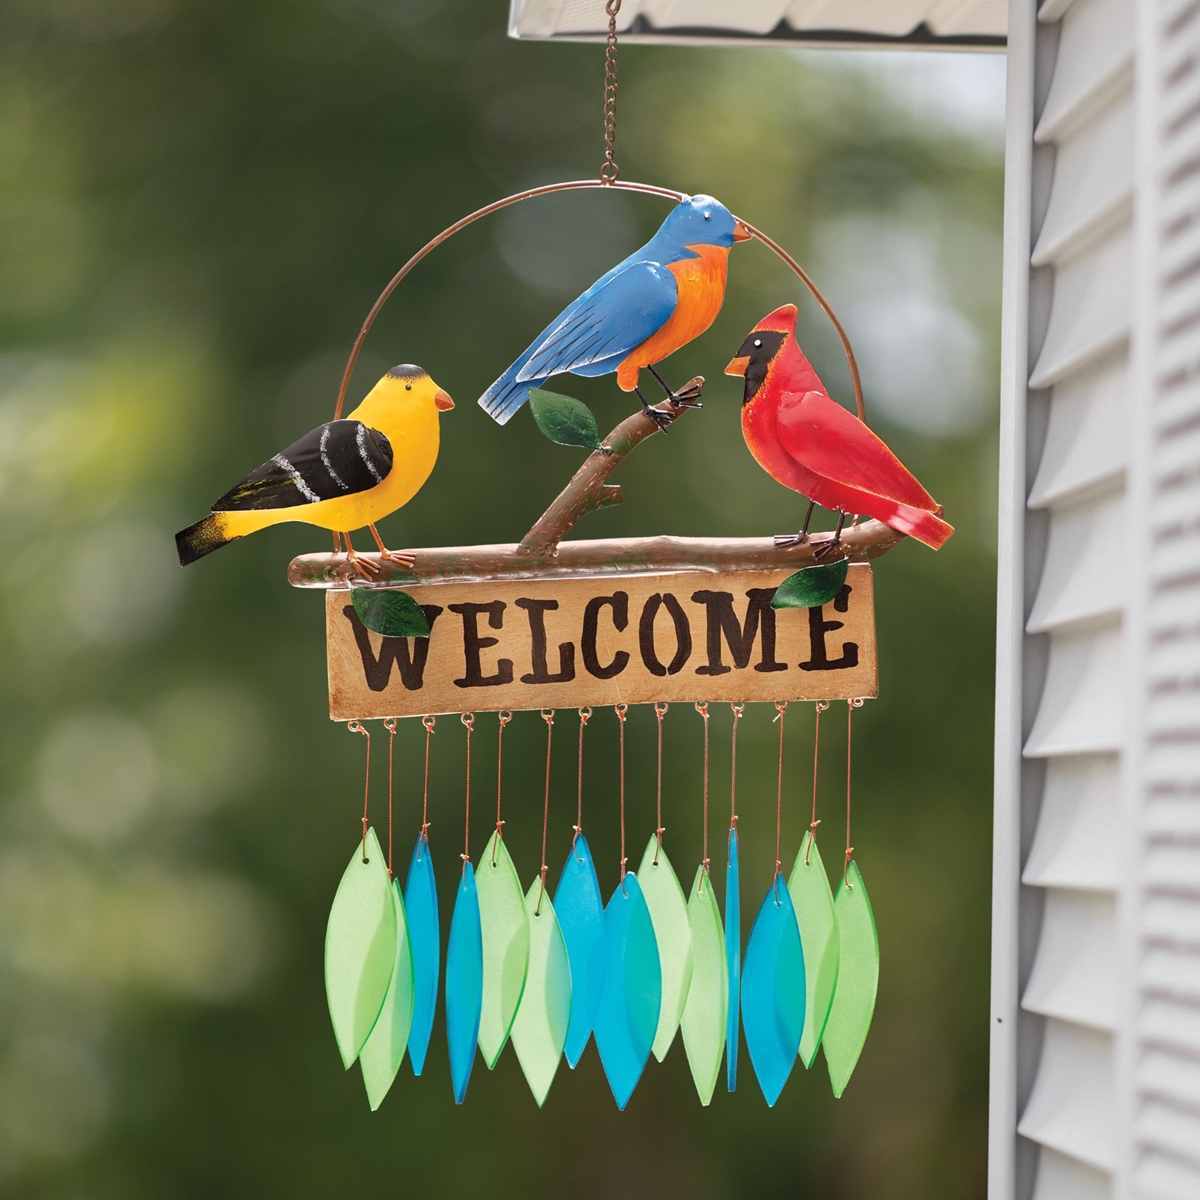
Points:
(738, 709)
(660, 711)
(429, 722)
(781, 711)
(702, 709)
(359, 727)
(585, 715)
(609, 171)
(548, 717)
(390, 725)
(851, 705)
(468, 719)
(505, 717)
(621, 710)
(821, 706)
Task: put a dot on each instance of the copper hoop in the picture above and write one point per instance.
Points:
(576, 185)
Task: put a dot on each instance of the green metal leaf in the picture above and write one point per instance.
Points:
(390, 612)
(564, 420)
(707, 1007)
(857, 982)
(812, 899)
(539, 1031)
(360, 948)
(383, 1052)
(669, 914)
(505, 930)
(813, 586)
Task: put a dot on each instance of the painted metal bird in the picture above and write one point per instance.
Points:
(659, 299)
(808, 442)
(344, 475)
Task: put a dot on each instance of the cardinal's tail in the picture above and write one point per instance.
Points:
(502, 400)
(921, 524)
(203, 538)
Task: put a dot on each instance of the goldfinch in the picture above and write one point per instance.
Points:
(343, 475)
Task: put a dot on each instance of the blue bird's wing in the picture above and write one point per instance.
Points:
(610, 319)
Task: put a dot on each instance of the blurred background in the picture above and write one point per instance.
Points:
(199, 200)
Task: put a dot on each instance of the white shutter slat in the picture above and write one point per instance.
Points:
(1093, 182)
(1173, 812)
(1080, 707)
(1174, 866)
(1062, 1178)
(1162, 1179)
(1168, 1022)
(1074, 976)
(1079, 582)
(1085, 437)
(1174, 974)
(1172, 1129)
(1095, 58)
(969, 16)
(1172, 921)
(1070, 1106)
(1050, 11)
(1074, 846)
(1090, 314)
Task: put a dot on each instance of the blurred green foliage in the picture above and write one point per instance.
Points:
(198, 201)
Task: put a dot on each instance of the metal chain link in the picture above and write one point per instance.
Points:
(609, 171)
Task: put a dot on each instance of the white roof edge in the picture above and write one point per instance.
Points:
(551, 20)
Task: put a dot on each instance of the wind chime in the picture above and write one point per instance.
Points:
(587, 629)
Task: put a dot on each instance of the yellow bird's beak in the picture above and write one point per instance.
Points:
(442, 399)
(737, 366)
(741, 233)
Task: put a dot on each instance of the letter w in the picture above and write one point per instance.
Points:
(409, 654)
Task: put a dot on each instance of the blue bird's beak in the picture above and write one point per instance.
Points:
(741, 233)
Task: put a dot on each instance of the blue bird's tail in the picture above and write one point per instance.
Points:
(506, 396)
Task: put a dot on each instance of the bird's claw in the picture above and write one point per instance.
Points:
(662, 419)
(364, 566)
(687, 395)
(823, 549)
(407, 561)
(784, 540)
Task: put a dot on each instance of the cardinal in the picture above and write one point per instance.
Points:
(808, 442)
(343, 475)
(658, 299)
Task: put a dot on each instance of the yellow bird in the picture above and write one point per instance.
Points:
(343, 475)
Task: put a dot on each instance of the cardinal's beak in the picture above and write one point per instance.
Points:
(442, 399)
(737, 366)
(741, 233)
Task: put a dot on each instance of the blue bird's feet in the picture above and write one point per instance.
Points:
(687, 397)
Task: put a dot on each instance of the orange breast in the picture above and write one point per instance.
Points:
(701, 284)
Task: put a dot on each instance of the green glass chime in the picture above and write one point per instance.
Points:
(551, 973)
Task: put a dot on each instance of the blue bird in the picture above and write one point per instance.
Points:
(647, 307)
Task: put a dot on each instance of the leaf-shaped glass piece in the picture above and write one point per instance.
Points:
(360, 948)
(383, 1052)
(733, 960)
(707, 1004)
(540, 1028)
(673, 933)
(812, 899)
(564, 420)
(424, 935)
(857, 981)
(464, 983)
(812, 586)
(773, 991)
(390, 612)
(580, 911)
(505, 946)
(632, 992)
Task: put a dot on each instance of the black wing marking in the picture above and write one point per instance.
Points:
(338, 458)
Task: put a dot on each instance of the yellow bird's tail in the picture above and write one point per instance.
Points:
(203, 538)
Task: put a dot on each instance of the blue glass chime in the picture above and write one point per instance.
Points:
(551, 973)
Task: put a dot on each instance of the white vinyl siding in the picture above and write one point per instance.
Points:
(1062, 639)
(1161, 1038)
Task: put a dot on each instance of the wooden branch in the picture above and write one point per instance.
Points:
(588, 490)
(598, 557)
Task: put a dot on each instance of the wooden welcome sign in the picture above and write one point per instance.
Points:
(570, 642)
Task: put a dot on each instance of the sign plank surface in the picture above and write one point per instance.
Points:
(565, 643)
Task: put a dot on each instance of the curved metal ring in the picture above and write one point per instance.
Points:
(576, 185)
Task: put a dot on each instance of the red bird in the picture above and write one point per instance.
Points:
(811, 444)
